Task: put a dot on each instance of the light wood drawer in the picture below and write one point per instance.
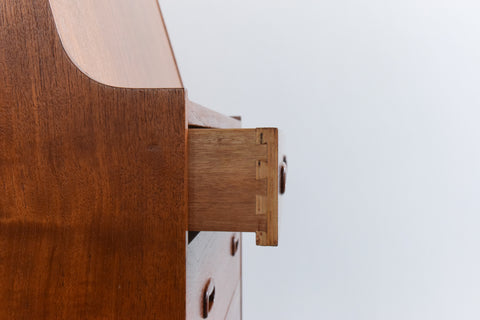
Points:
(235, 309)
(213, 274)
(235, 176)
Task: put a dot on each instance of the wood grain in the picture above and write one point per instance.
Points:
(268, 170)
(233, 181)
(209, 257)
(92, 185)
(120, 43)
(199, 116)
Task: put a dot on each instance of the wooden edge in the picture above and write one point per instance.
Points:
(199, 116)
(268, 170)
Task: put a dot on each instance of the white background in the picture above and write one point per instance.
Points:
(380, 105)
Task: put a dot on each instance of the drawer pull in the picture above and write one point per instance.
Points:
(235, 244)
(283, 175)
(208, 298)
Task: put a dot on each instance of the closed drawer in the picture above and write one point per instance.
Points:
(235, 309)
(235, 177)
(213, 274)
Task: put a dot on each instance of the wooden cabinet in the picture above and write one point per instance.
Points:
(105, 166)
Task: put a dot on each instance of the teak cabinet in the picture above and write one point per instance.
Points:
(119, 197)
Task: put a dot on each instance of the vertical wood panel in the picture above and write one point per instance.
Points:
(92, 185)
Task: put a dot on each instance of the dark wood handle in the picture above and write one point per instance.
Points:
(208, 298)
(235, 244)
(283, 175)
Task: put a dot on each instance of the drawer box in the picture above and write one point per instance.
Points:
(213, 274)
(234, 180)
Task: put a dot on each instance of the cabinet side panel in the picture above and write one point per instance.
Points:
(92, 185)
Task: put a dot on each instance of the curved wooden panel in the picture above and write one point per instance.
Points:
(92, 185)
(121, 43)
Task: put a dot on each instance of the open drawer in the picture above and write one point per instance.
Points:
(235, 177)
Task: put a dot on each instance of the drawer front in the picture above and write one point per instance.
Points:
(213, 274)
(235, 309)
(235, 177)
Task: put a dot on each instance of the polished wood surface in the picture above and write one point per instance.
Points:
(233, 181)
(209, 257)
(92, 182)
(121, 43)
